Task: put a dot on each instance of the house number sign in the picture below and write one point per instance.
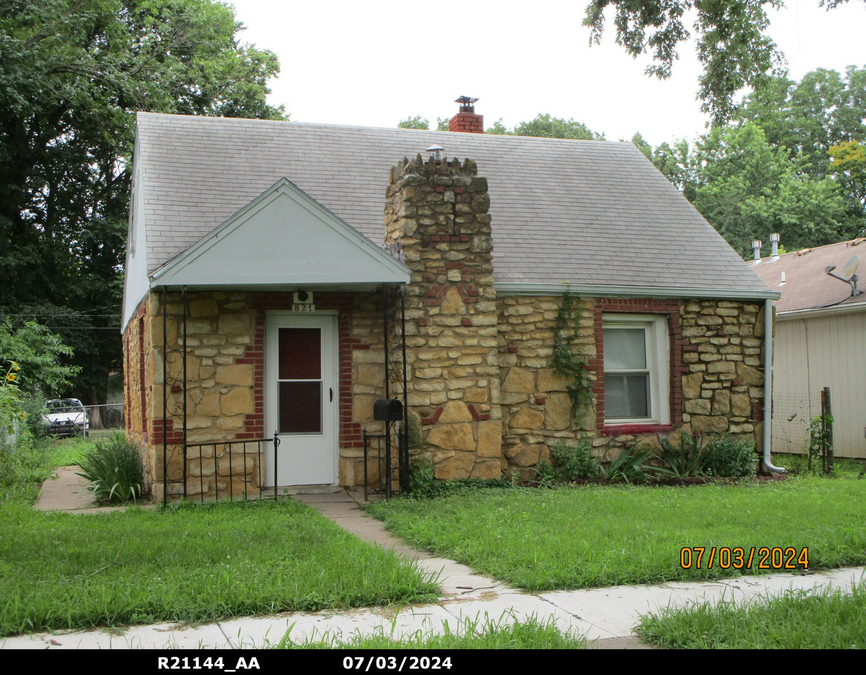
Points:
(303, 308)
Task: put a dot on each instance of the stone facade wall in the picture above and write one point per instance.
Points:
(716, 374)
(437, 212)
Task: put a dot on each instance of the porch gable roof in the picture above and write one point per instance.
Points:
(283, 236)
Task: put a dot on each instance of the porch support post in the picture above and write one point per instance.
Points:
(164, 395)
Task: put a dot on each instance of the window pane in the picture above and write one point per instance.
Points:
(624, 348)
(300, 354)
(626, 395)
(300, 407)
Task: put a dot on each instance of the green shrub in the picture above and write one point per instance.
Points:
(114, 470)
(571, 463)
(730, 457)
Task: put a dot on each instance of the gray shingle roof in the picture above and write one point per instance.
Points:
(588, 212)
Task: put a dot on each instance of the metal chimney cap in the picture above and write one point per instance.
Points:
(434, 148)
(775, 236)
(467, 104)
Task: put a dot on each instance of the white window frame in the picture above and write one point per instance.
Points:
(655, 329)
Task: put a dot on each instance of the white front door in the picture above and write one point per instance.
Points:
(301, 398)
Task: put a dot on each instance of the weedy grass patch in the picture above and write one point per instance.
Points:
(188, 564)
(593, 536)
(471, 633)
(823, 619)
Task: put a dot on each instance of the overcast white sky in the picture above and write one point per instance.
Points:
(374, 63)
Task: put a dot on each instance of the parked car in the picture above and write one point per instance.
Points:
(66, 417)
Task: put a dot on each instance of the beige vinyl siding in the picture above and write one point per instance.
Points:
(810, 354)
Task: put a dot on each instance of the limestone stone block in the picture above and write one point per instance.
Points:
(204, 307)
(722, 402)
(238, 401)
(490, 438)
(234, 324)
(475, 395)
(741, 405)
(557, 412)
(209, 406)
(519, 380)
(524, 455)
(369, 375)
(748, 375)
(452, 303)
(362, 407)
(458, 466)
(527, 418)
(692, 385)
(720, 367)
(709, 424)
(487, 469)
(548, 380)
(698, 406)
(452, 437)
(454, 412)
(240, 374)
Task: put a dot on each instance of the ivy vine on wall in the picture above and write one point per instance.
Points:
(566, 362)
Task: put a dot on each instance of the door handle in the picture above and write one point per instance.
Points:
(331, 390)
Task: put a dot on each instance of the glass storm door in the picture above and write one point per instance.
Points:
(301, 399)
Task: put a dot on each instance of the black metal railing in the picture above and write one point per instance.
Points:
(378, 453)
(241, 460)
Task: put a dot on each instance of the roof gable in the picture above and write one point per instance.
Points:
(283, 236)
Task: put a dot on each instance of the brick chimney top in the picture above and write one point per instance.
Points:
(466, 121)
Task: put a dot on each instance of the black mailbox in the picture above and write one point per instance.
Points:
(388, 410)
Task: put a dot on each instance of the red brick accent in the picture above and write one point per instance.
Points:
(473, 411)
(634, 429)
(435, 418)
(540, 400)
(466, 322)
(141, 379)
(671, 309)
(468, 123)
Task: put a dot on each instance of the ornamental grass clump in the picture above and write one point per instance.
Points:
(114, 470)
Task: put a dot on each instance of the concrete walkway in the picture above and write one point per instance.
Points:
(606, 616)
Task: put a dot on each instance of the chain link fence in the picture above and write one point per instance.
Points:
(792, 414)
(106, 417)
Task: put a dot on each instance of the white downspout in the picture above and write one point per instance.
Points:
(768, 385)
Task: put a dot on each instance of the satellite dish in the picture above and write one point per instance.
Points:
(849, 274)
(850, 267)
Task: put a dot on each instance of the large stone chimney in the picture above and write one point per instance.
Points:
(466, 121)
(437, 212)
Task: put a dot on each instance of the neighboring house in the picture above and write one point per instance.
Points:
(275, 231)
(820, 341)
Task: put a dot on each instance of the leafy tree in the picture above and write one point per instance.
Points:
(848, 164)
(731, 42)
(546, 126)
(416, 122)
(72, 74)
(35, 355)
(746, 188)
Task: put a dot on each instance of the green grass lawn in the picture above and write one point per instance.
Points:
(795, 620)
(187, 564)
(594, 536)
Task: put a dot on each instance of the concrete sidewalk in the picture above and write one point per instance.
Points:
(606, 616)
